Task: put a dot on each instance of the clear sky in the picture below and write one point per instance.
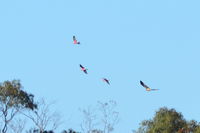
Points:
(156, 41)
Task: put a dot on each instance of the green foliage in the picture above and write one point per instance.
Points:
(168, 121)
(197, 130)
(144, 126)
(12, 95)
(12, 100)
(164, 121)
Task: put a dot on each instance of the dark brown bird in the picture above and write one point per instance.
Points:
(83, 69)
(75, 41)
(146, 87)
(106, 80)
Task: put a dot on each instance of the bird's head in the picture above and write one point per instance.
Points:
(148, 89)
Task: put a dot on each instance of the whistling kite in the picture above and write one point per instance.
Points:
(75, 41)
(83, 69)
(147, 88)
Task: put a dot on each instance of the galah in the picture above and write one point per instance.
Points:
(83, 69)
(75, 41)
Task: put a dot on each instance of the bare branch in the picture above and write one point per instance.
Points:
(110, 116)
(43, 118)
(17, 126)
(89, 120)
(107, 118)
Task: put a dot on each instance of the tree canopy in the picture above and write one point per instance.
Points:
(12, 100)
(12, 95)
(168, 121)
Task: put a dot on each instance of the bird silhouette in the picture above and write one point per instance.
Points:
(75, 41)
(146, 87)
(106, 80)
(83, 69)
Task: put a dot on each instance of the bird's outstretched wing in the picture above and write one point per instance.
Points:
(81, 66)
(74, 38)
(107, 81)
(154, 89)
(85, 71)
(145, 86)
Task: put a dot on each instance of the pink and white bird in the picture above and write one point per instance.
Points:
(106, 80)
(83, 69)
(75, 41)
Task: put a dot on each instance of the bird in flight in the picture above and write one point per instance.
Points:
(147, 88)
(75, 41)
(106, 80)
(83, 69)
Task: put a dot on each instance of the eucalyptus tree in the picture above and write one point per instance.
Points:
(13, 100)
(165, 121)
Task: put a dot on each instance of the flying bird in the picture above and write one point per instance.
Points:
(106, 80)
(147, 88)
(75, 41)
(83, 69)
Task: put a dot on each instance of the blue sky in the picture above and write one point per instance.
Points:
(123, 40)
